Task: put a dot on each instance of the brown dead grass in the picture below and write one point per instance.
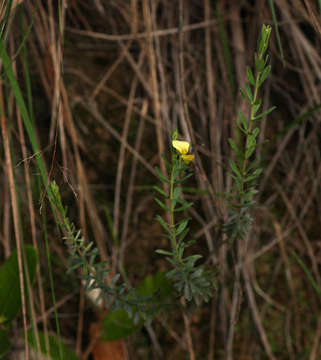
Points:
(111, 81)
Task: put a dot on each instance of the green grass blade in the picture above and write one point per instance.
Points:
(277, 33)
(226, 51)
(23, 41)
(308, 273)
(297, 121)
(26, 72)
(51, 280)
(24, 112)
(39, 160)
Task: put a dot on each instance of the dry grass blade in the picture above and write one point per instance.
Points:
(108, 83)
(15, 215)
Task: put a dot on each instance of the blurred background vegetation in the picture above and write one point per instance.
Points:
(90, 94)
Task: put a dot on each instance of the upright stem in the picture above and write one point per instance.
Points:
(172, 206)
(249, 131)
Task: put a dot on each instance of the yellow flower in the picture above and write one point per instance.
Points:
(188, 158)
(182, 147)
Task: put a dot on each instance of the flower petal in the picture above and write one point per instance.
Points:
(181, 146)
(188, 158)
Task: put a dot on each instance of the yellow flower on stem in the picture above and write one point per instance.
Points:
(187, 158)
(182, 147)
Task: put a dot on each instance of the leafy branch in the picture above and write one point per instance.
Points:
(192, 281)
(245, 170)
(94, 273)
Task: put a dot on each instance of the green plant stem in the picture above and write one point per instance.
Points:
(171, 209)
(252, 118)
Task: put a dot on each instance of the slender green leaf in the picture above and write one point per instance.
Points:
(24, 113)
(161, 204)
(197, 273)
(187, 292)
(163, 252)
(235, 168)
(176, 171)
(182, 225)
(167, 164)
(298, 120)
(161, 176)
(248, 91)
(256, 108)
(255, 132)
(182, 235)
(250, 146)
(252, 165)
(259, 63)
(183, 179)
(191, 260)
(243, 120)
(276, 26)
(257, 172)
(250, 194)
(260, 44)
(265, 74)
(111, 228)
(265, 112)
(162, 192)
(163, 223)
(23, 41)
(226, 50)
(235, 147)
(184, 207)
(250, 150)
(243, 94)
(308, 273)
(250, 75)
(254, 175)
(176, 193)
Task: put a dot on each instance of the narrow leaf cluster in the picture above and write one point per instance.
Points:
(190, 280)
(245, 169)
(94, 273)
